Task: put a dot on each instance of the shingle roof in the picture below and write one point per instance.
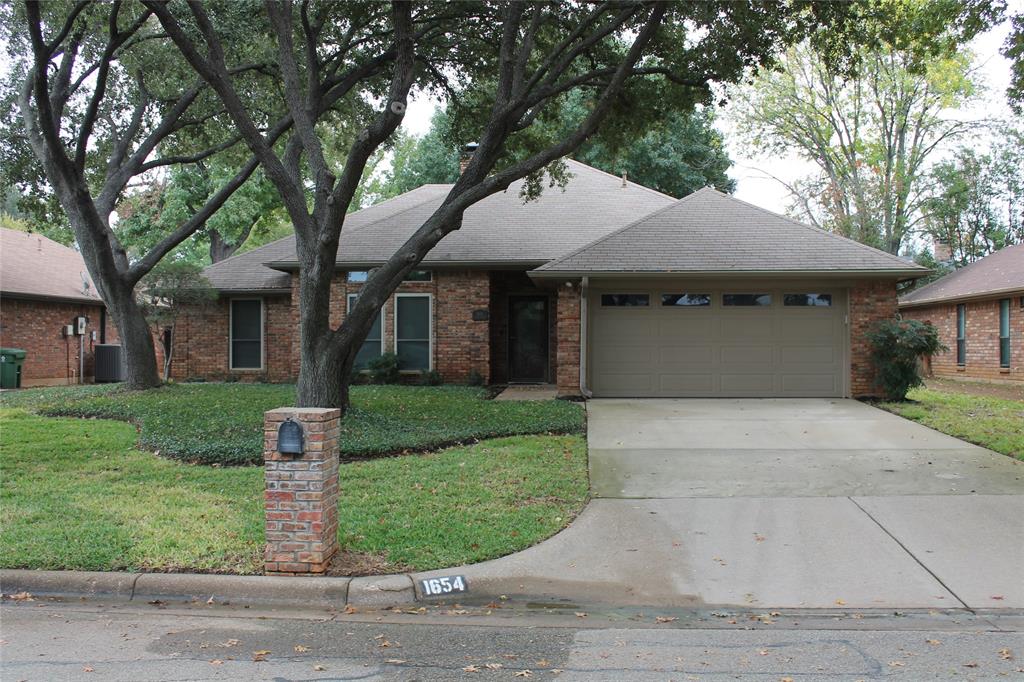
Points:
(500, 229)
(710, 232)
(998, 273)
(36, 266)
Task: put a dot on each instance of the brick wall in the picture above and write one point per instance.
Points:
(870, 301)
(568, 346)
(981, 336)
(37, 327)
(461, 344)
(202, 340)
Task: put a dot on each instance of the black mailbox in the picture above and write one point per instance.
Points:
(289, 438)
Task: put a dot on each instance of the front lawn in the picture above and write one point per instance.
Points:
(992, 422)
(77, 494)
(223, 423)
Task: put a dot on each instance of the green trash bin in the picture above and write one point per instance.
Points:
(11, 360)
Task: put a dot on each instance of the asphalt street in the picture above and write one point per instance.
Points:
(51, 640)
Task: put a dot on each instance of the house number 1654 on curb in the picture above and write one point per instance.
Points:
(448, 584)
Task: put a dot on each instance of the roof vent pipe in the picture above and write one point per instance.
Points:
(625, 180)
(466, 156)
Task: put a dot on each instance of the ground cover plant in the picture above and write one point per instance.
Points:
(78, 494)
(223, 423)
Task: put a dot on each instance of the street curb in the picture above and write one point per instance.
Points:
(249, 590)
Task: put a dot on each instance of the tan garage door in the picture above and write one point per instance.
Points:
(682, 342)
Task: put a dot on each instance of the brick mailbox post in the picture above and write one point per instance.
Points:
(301, 496)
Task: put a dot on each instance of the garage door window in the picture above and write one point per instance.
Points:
(808, 300)
(625, 300)
(682, 300)
(746, 299)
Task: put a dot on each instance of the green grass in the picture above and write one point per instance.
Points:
(77, 494)
(223, 423)
(993, 423)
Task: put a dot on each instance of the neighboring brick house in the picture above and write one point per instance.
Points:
(979, 312)
(44, 287)
(603, 288)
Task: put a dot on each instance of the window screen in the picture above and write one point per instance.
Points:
(961, 334)
(373, 346)
(246, 334)
(1004, 332)
(412, 332)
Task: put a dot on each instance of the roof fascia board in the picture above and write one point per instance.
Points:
(555, 274)
(981, 296)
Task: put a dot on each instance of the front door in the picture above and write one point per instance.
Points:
(528, 338)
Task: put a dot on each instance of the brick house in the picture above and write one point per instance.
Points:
(603, 288)
(979, 312)
(44, 287)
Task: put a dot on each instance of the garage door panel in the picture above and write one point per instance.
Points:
(748, 355)
(625, 326)
(811, 385)
(818, 328)
(685, 356)
(624, 384)
(797, 356)
(686, 327)
(618, 358)
(687, 384)
(748, 384)
(739, 326)
(717, 351)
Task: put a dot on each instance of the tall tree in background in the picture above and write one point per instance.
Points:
(975, 203)
(145, 215)
(676, 154)
(871, 136)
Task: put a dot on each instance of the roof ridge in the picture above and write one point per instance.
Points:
(819, 230)
(611, 175)
(618, 231)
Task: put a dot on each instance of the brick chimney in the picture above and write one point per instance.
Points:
(941, 250)
(466, 156)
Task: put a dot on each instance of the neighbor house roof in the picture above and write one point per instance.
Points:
(34, 266)
(501, 230)
(999, 273)
(709, 232)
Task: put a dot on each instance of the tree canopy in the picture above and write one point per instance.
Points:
(871, 135)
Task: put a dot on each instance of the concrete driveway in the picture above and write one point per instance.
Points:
(783, 503)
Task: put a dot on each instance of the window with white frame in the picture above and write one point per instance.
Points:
(373, 346)
(246, 333)
(412, 331)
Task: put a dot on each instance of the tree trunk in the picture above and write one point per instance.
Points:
(322, 382)
(136, 340)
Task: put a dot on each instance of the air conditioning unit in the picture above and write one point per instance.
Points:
(110, 367)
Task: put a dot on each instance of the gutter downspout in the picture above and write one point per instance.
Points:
(583, 338)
